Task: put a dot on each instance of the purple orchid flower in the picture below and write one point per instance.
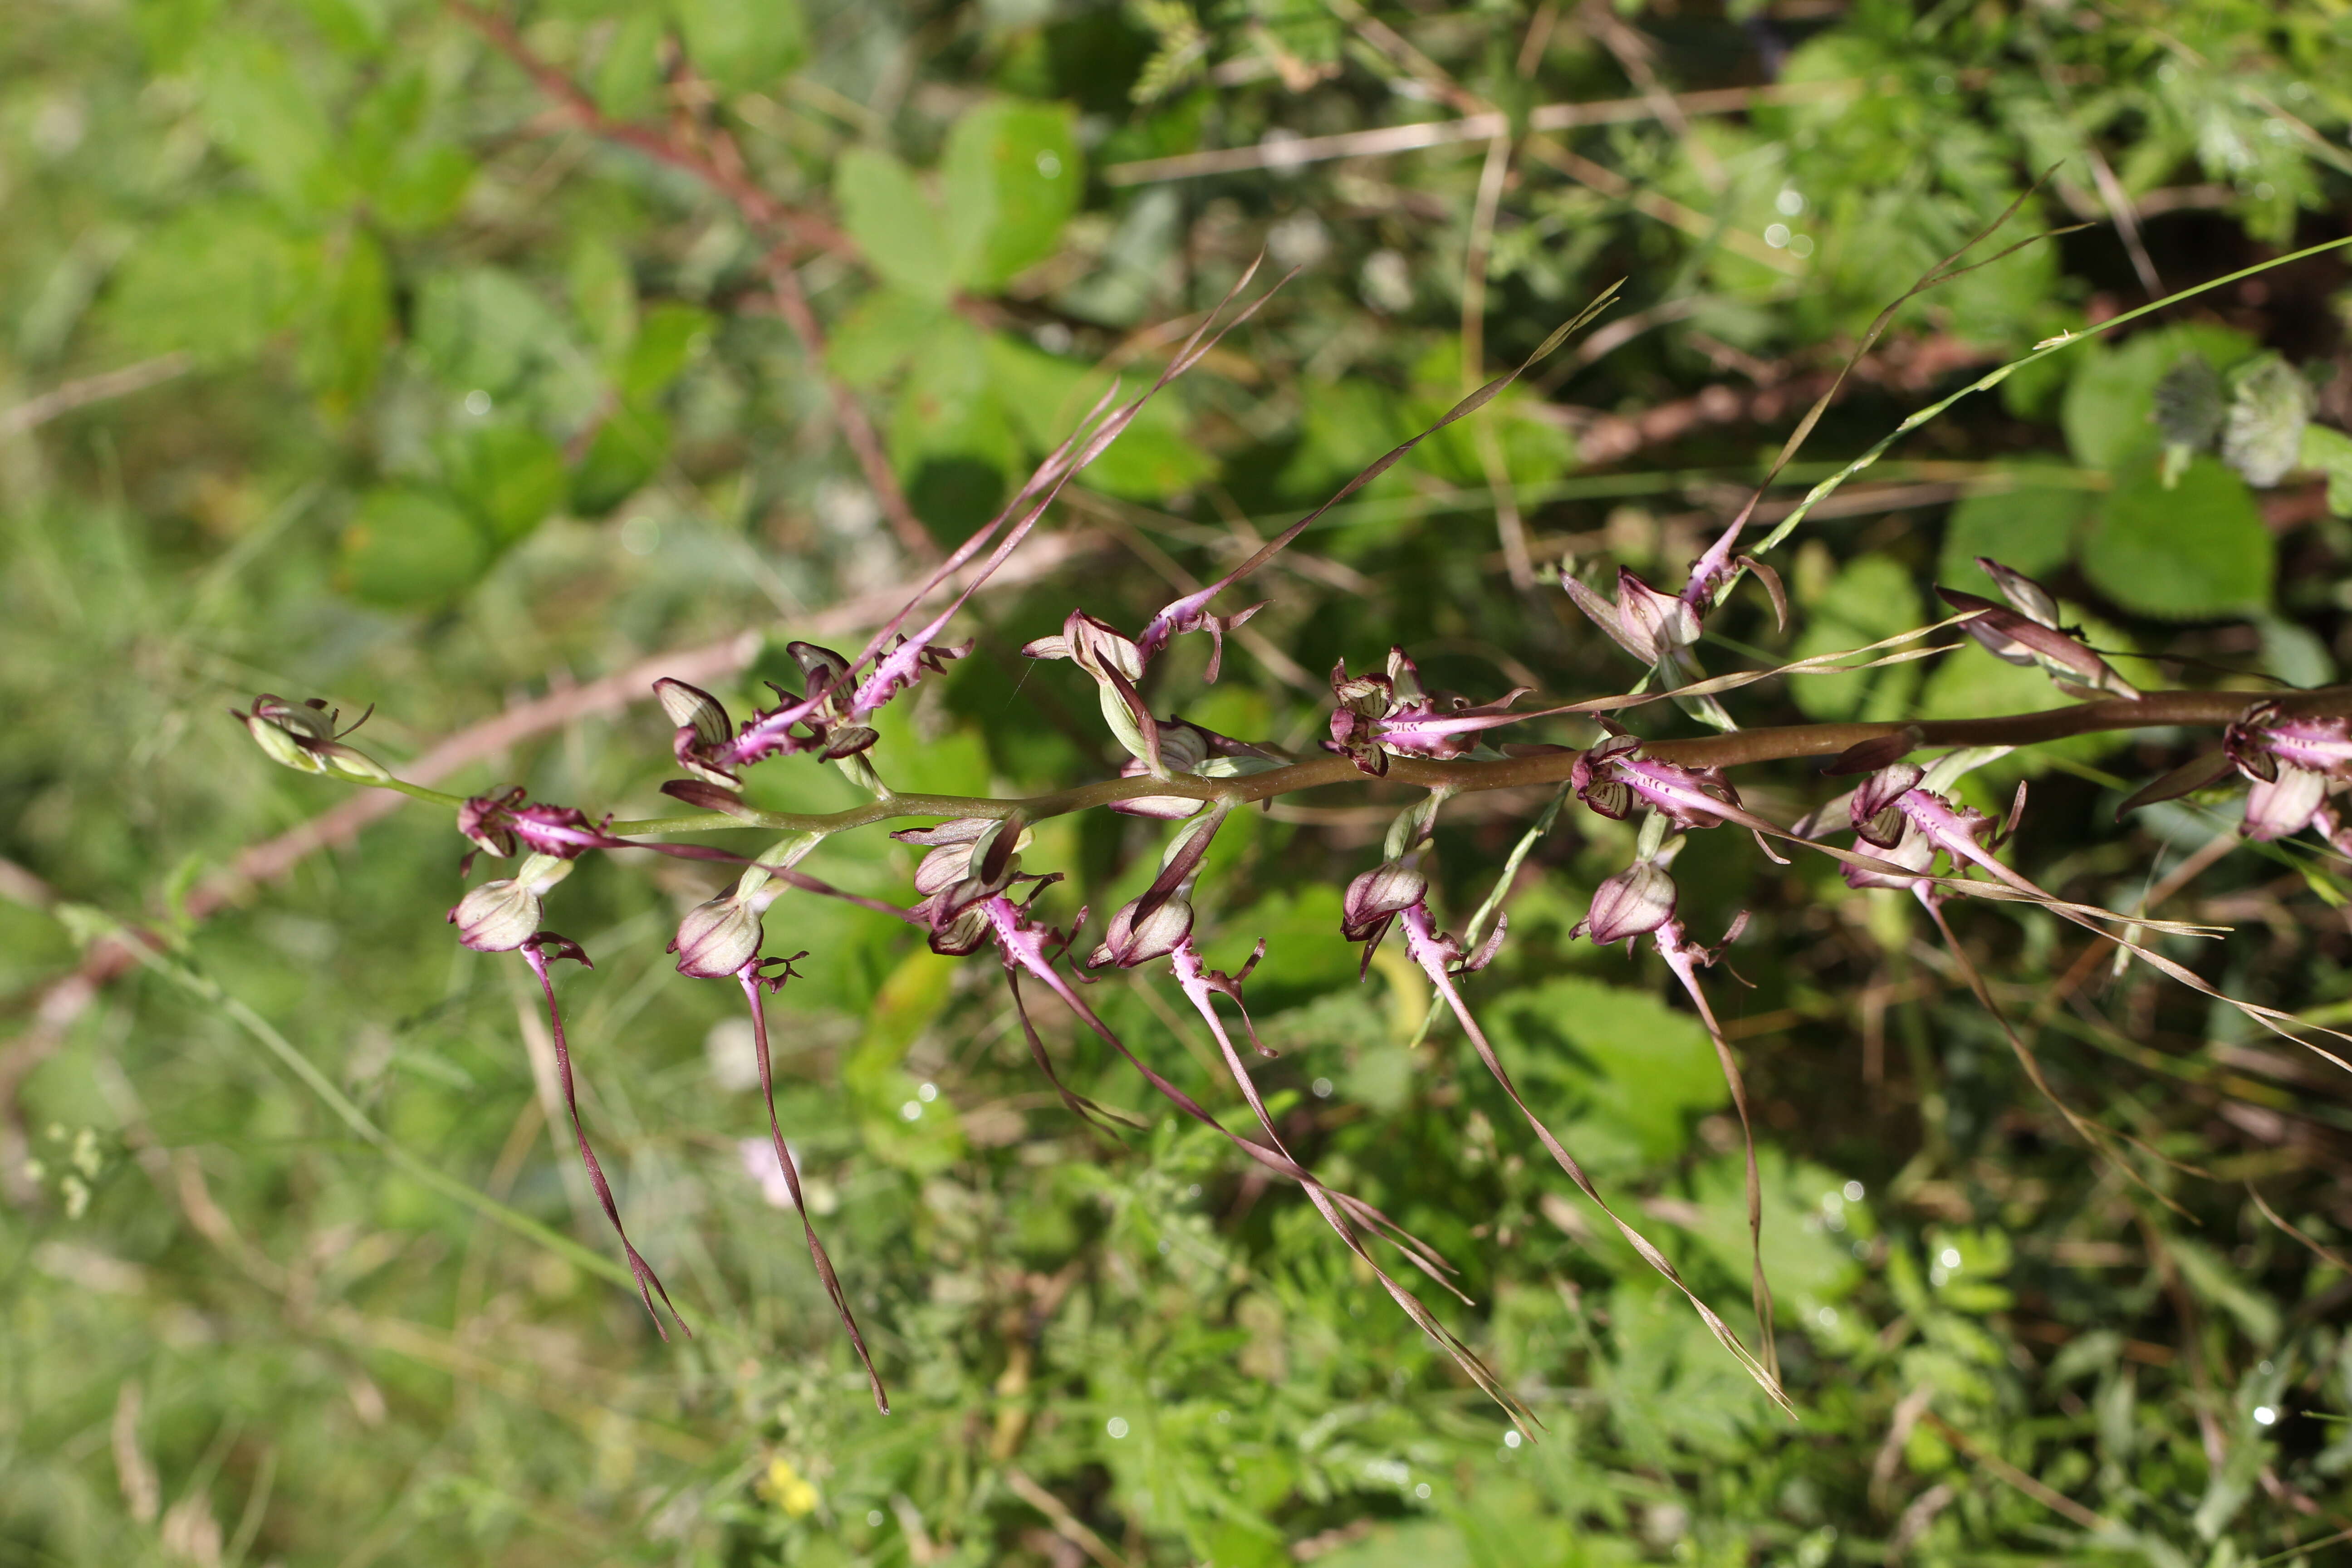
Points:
(1611, 778)
(1382, 715)
(2292, 764)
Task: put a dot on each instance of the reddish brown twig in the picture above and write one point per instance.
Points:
(722, 167)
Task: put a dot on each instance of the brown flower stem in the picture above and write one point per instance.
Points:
(2210, 709)
(724, 169)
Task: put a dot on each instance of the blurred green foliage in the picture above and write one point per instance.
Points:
(339, 355)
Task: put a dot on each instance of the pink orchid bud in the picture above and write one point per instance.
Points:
(1369, 695)
(1877, 807)
(1128, 943)
(1405, 678)
(1164, 807)
(1378, 896)
(1594, 779)
(824, 670)
(718, 938)
(1610, 779)
(1647, 624)
(496, 917)
(2026, 596)
(1657, 621)
(964, 933)
(2023, 639)
(1634, 903)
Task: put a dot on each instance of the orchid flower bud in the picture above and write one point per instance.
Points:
(496, 917)
(2265, 738)
(718, 938)
(1657, 621)
(1634, 903)
(1378, 896)
(695, 708)
(500, 916)
(1128, 943)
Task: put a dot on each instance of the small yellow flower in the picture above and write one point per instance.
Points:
(784, 1486)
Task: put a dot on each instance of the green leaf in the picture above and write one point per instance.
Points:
(342, 345)
(356, 28)
(603, 295)
(1012, 177)
(2270, 403)
(1874, 597)
(1153, 458)
(894, 224)
(2027, 526)
(628, 76)
(1802, 1258)
(484, 328)
(2189, 403)
(743, 46)
(215, 282)
(411, 174)
(2330, 452)
(2198, 549)
(627, 450)
(1638, 1067)
(669, 337)
(508, 475)
(407, 549)
(262, 111)
(951, 440)
(881, 333)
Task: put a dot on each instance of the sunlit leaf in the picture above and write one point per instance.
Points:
(2197, 549)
